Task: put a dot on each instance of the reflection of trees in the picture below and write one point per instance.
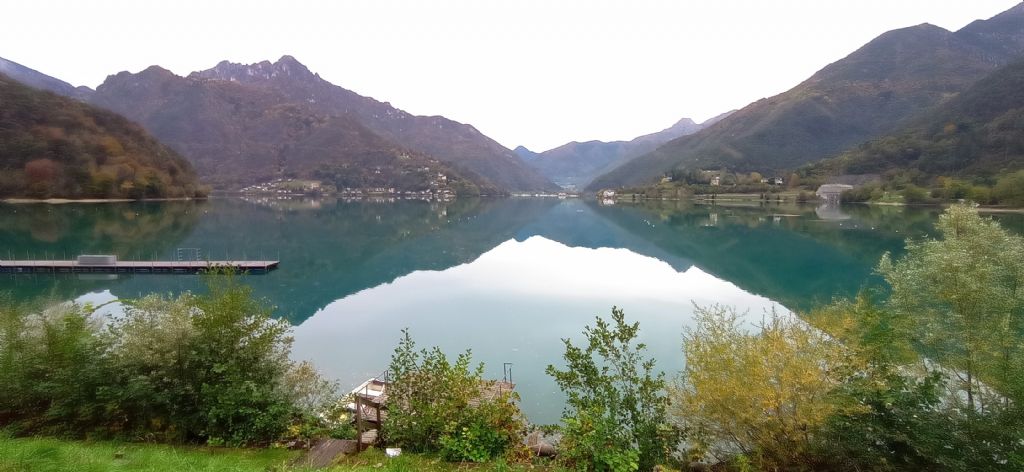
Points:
(340, 248)
(129, 230)
(125, 229)
(782, 252)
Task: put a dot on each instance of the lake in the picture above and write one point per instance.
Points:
(507, 278)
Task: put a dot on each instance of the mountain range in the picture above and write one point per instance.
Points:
(243, 124)
(575, 164)
(280, 119)
(238, 134)
(872, 92)
(923, 88)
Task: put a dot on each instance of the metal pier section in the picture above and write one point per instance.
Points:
(132, 267)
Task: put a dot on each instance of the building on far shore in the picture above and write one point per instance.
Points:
(831, 193)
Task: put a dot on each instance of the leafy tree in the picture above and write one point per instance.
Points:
(762, 394)
(956, 303)
(615, 417)
(965, 293)
(908, 420)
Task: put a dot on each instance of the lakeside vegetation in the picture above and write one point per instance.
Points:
(923, 373)
(1007, 190)
(893, 188)
(202, 369)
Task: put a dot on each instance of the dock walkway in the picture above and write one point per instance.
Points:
(132, 267)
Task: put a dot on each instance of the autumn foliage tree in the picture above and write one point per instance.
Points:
(760, 392)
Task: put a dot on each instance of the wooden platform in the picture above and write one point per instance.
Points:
(133, 267)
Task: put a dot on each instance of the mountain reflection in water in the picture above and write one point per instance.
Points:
(506, 277)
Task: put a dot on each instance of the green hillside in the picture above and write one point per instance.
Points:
(866, 95)
(57, 147)
(979, 135)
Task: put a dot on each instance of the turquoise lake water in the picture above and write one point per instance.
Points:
(507, 278)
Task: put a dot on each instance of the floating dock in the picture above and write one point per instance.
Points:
(132, 267)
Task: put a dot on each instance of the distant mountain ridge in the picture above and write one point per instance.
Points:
(238, 134)
(871, 92)
(34, 78)
(576, 164)
(456, 143)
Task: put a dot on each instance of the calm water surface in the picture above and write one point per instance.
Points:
(506, 278)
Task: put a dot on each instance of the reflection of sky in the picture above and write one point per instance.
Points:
(514, 304)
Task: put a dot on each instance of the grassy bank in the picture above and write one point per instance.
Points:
(53, 455)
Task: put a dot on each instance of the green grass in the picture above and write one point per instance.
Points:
(51, 455)
(375, 461)
(46, 455)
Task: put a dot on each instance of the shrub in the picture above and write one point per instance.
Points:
(438, 406)
(52, 369)
(200, 368)
(1009, 189)
(761, 394)
(615, 417)
(913, 194)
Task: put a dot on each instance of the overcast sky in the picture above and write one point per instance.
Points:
(538, 73)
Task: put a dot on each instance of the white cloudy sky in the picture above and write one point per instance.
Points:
(532, 72)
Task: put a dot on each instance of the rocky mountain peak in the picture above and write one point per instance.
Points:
(156, 71)
(285, 67)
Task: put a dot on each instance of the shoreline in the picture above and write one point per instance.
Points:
(61, 201)
(738, 197)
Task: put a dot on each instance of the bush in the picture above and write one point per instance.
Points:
(863, 193)
(1009, 190)
(762, 394)
(913, 194)
(438, 406)
(52, 369)
(199, 368)
(208, 367)
(901, 426)
(615, 417)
